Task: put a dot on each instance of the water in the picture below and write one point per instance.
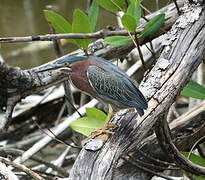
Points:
(25, 17)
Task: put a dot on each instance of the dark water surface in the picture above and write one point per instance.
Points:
(25, 17)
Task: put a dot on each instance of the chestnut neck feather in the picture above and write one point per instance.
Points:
(79, 78)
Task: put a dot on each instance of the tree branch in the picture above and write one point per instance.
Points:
(22, 168)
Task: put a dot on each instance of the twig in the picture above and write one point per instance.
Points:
(136, 43)
(195, 144)
(177, 7)
(22, 168)
(152, 50)
(17, 152)
(56, 47)
(73, 106)
(140, 52)
(49, 37)
(144, 8)
(55, 137)
(146, 54)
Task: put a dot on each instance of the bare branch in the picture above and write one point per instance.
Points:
(50, 37)
(17, 152)
(22, 168)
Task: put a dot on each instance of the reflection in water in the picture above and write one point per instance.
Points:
(25, 17)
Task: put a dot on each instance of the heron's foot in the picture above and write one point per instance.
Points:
(104, 130)
(100, 132)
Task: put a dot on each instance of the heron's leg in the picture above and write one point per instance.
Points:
(109, 118)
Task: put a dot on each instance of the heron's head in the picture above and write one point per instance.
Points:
(63, 63)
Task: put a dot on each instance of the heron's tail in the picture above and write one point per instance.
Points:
(140, 111)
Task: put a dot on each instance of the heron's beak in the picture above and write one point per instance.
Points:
(53, 67)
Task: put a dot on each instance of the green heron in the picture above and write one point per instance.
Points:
(102, 80)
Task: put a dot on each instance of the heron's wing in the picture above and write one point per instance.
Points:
(116, 86)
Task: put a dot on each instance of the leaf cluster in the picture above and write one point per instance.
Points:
(82, 23)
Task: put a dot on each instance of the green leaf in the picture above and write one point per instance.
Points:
(95, 119)
(153, 25)
(117, 40)
(81, 24)
(193, 89)
(112, 5)
(93, 14)
(135, 11)
(59, 23)
(199, 178)
(135, 1)
(129, 22)
(96, 113)
(86, 125)
(121, 4)
(195, 158)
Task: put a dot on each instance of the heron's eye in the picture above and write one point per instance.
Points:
(66, 64)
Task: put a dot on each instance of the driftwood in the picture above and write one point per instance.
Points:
(181, 55)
